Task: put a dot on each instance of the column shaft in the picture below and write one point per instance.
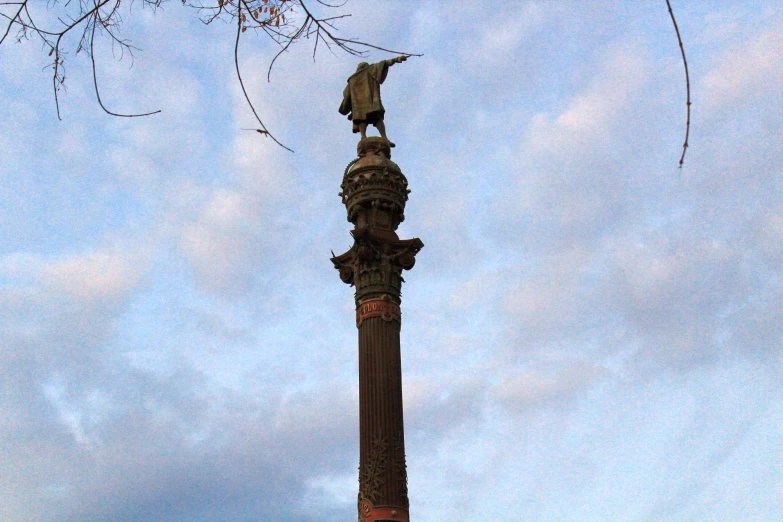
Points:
(382, 476)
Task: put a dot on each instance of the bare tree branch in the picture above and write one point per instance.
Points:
(345, 43)
(687, 85)
(12, 18)
(95, 76)
(263, 129)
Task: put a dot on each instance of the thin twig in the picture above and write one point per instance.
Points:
(95, 78)
(242, 83)
(344, 43)
(331, 5)
(8, 29)
(357, 42)
(687, 84)
(292, 39)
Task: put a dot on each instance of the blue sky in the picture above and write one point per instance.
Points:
(589, 334)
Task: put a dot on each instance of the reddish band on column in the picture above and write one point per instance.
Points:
(381, 514)
(386, 310)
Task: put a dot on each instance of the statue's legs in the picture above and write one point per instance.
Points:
(363, 128)
(382, 129)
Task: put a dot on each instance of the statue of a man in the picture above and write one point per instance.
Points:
(362, 96)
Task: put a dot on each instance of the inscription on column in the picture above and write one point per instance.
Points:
(385, 309)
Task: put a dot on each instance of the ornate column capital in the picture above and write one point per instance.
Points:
(374, 192)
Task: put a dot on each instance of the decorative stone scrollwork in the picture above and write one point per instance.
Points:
(374, 190)
(375, 263)
(407, 260)
(401, 467)
(366, 252)
(371, 471)
(365, 509)
(346, 275)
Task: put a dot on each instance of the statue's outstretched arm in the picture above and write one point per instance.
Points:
(396, 59)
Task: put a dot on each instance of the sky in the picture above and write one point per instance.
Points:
(589, 334)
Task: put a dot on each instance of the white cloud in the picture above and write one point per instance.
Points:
(532, 391)
(743, 74)
(91, 277)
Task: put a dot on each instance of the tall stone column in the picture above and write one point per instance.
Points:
(374, 192)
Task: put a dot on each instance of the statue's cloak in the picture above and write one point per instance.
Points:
(362, 95)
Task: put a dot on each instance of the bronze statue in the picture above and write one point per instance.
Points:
(362, 96)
